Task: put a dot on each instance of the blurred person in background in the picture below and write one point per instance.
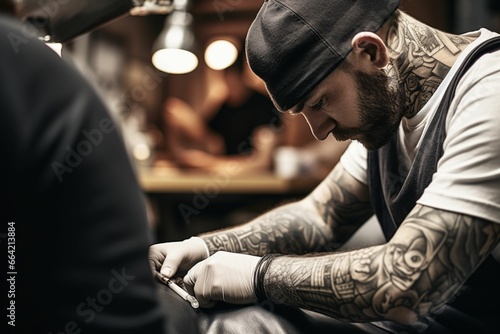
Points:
(237, 124)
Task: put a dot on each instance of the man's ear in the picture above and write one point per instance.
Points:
(372, 45)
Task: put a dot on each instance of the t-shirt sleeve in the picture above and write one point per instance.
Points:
(354, 161)
(467, 179)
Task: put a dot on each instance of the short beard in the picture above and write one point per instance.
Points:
(380, 105)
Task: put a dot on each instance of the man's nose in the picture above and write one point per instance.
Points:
(319, 123)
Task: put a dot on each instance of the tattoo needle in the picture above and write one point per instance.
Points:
(180, 291)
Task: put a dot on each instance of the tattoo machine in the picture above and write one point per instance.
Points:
(180, 291)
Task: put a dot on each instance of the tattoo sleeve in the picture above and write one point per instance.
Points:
(331, 213)
(417, 271)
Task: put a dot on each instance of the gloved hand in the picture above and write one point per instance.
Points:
(178, 257)
(224, 276)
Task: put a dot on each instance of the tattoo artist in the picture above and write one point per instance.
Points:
(422, 107)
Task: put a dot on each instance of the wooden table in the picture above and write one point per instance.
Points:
(189, 202)
(175, 181)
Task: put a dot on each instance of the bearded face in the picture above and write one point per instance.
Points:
(380, 105)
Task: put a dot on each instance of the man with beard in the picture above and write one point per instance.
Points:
(422, 108)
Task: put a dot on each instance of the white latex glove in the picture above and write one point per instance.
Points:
(178, 257)
(224, 277)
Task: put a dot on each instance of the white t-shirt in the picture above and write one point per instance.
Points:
(467, 179)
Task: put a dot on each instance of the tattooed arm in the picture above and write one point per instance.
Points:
(329, 215)
(418, 270)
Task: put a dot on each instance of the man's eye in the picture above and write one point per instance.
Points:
(319, 105)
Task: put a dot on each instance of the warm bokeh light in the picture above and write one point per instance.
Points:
(141, 152)
(220, 54)
(175, 61)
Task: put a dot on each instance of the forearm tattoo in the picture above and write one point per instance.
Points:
(343, 203)
(419, 269)
(287, 230)
(422, 57)
(332, 212)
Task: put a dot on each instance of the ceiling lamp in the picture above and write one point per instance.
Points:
(174, 49)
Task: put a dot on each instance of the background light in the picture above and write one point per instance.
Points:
(174, 50)
(141, 152)
(220, 54)
(175, 61)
